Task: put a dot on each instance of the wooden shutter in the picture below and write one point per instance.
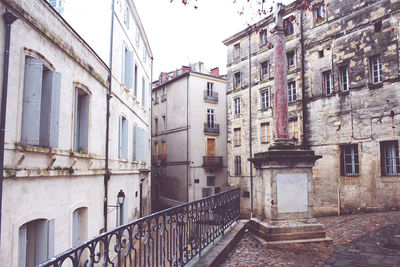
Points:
(163, 148)
(128, 68)
(30, 128)
(22, 243)
(155, 148)
(211, 151)
(50, 108)
(84, 122)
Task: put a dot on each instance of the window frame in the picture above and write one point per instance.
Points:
(237, 136)
(289, 27)
(327, 80)
(293, 129)
(344, 72)
(393, 147)
(238, 165)
(265, 99)
(291, 59)
(237, 80)
(211, 180)
(211, 118)
(292, 93)
(236, 51)
(349, 150)
(236, 106)
(265, 132)
(375, 62)
(263, 37)
(264, 69)
(80, 142)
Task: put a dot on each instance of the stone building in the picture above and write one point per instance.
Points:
(343, 74)
(55, 183)
(189, 135)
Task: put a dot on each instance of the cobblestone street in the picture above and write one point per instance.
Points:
(371, 239)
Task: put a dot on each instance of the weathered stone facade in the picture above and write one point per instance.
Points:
(344, 62)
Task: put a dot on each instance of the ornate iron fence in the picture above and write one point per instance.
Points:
(170, 237)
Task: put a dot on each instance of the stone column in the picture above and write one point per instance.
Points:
(280, 77)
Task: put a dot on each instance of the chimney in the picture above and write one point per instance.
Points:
(186, 69)
(215, 72)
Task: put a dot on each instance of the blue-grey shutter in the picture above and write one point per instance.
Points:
(30, 128)
(125, 212)
(41, 241)
(50, 241)
(76, 121)
(125, 139)
(138, 144)
(145, 145)
(22, 243)
(50, 106)
(84, 102)
(120, 138)
(143, 92)
(134, 142)
(75, 227)
(129, 69)
(135, 87)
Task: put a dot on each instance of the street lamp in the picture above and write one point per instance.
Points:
(121, 197)
(119, 206)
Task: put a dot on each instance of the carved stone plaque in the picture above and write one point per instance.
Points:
(292, 193)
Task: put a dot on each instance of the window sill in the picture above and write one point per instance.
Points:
(265, 109)
(237, 145)
(264, 143)
(235, 116)
(80, 155)
(373, 86)
(391, 179)
(344, 92)
(293, 102)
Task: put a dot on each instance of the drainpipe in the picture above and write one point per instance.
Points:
(109, 96)
(9, 18)
(187, 137)
(141, 198)
(250, 131)
(304, 143)
(151, 135)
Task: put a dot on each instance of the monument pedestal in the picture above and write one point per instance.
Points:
(283, 195)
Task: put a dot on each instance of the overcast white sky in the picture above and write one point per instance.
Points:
(178, 34)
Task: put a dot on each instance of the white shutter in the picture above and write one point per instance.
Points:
(128, 69)
(30, 128)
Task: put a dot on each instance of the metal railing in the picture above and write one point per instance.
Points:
(212, 162)
(211, 128)
(210, 96)
(171, 237)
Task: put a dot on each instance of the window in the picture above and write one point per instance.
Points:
(163, 94)
(290, 58)
(236, 103)
(236, 51)
(344, 78)
(349, 160)
(293, 132)
(210, 118)
(319, 13)
(265, 133)
(265, 99)
(81, 121)
(264, 69)
(126, 16)
(236, 80)
(155, 97)
(237, 138)
(210, 180)
(378, 26)
(327, 79)
(35, 242)
(144, 54)
(79, 226)
(376, 70)
(144, 92)
(135, 85)
(156, 149)
(263, 37)
(127, 68)
(217, 190)
(137, 37)
(321, 53)
(238, 165)
(41, 104)
(123, 138)
(210, 89)
(288, 25)
(292, 92)
(206, 192)
(163, 148)
(164, 124)
(156, 125)
(390, 163)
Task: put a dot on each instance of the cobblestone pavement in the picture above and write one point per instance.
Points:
(371, 239)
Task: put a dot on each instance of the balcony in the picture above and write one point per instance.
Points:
(210, 97)
(213, 163)
(159, 159)
(211, 128)
(163, 97)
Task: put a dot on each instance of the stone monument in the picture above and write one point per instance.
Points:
(284, 181)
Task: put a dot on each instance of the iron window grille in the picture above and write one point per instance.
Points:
(349, 160)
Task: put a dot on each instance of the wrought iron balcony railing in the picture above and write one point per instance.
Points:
(171, 237)
(211, 128)
(210, 97)
(212, 162)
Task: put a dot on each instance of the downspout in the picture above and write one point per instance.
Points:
(187, 137)
(304, 142)
(109, 96)
(151, 136)
(9, 18)
(250, 132)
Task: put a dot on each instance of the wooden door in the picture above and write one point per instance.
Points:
(211, 149)
(163, 148)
